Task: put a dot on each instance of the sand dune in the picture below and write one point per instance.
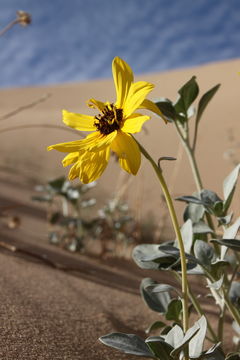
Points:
(25, 150)
(57, 313)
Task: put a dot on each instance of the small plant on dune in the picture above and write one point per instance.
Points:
(70, 224)
(116, 228)
(205, 246)
(66, 208)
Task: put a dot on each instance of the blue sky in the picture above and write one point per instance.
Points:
(76, 40)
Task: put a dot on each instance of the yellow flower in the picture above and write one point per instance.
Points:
(112, 128)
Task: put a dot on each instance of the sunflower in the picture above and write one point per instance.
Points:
(112, 128)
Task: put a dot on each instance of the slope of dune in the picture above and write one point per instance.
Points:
(55, 305)
(24, 151)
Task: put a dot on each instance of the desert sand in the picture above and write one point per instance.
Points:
(55, 305)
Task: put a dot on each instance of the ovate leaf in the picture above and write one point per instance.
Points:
(229, 185)
(156, 301)
(155, 326)
(234, 293)
(205, 99)
(163, 288)
(216, 285)
(174, 310)
(128, 343)
(196, 343)
(230, 233)
(159, 347)
(188, 93)
(204, 252)
(201, 228)
(167, 108)
(194, 212)
(187, 235)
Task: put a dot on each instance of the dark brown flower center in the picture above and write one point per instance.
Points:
(110, 119)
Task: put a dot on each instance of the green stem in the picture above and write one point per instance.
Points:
(196, 174)
(199, 310)
(224, 294)
(221, 323)
(177, 232)
(234, 312)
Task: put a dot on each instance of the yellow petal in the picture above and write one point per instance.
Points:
(136, 95)
(93, 142)
(123, 78)
(96, 104)
(78, 121)
(150, 105)
(70, 158)
(74, 171)
(133, 123)
(72, 146)
(128, 152)
(92, 165)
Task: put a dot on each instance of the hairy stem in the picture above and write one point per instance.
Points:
(177, 232)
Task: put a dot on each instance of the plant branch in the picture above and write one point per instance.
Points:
(25, 107)
(19, 127)
(177, 232)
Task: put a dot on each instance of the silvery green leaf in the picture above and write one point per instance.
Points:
(209, 198)
(188, 93)
(156, 301)
(194, 212)
(217, 267)
(159, 347)
(234, 293)
(57, 184)
(174, 310)
(155, 326)
(229, 185)
(214, 353)
(218, 208)
(88, 203)
(142, 253)
(189, 199)
(175, 336)
(225, 220)
(197, 270)
(187, 235)
(128, 343)
(182, 342)
(162, 288)
(204, 102)
(167, 108)
(201, 228)
(196, 343)
(229, 243)
(230, 233)
(166, 257)
(85, 187)
(204, 252)
(217, 284)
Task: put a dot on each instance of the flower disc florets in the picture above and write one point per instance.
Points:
(110, 120)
